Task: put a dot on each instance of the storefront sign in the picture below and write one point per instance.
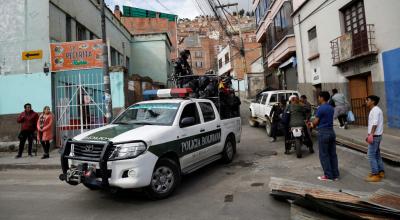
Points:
(76, 55)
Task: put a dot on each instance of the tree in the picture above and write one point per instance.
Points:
(234, 13)
(252, 13)
(248, 13)
(241, 12)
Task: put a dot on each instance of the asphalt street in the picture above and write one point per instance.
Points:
(235, 191)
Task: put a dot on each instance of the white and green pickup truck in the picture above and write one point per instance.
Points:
(151, 145)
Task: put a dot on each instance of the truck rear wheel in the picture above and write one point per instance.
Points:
(229, 150)
(268, 127)
(166, 177)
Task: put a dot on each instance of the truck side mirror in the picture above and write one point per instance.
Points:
(187, 121)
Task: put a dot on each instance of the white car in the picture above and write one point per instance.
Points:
(260, 109)
(150, 145)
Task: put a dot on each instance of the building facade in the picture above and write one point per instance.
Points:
(142, 21)
(148, 56)
(29, 27)
(275, 33)
(351, 46)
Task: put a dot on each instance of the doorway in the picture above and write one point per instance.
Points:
(360, 87)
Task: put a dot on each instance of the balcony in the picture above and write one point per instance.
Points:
(354, 45)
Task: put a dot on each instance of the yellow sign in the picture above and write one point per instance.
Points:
(31, 55)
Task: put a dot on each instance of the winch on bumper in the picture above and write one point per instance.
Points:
(98, 170)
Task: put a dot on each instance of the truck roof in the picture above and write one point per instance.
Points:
(174, 100)
(278, 91)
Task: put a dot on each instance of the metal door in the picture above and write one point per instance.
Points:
(80, 104)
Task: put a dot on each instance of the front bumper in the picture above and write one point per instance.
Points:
(104, 173)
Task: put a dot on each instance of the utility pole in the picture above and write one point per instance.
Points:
(106, 74)
(241, 49)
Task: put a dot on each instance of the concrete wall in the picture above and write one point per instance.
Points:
(221, 56)
(257, 66)
(20, 31)
(117, 89)
(18, 89)
(150, 56)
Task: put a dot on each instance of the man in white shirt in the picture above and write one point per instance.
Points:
(375, 131)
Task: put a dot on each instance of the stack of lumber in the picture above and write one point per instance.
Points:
(335, 203)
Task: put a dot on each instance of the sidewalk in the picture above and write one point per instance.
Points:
(8, 161)
(354, 137)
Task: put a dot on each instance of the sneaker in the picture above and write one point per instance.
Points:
(342, 127)
(373, 178)
(45, 157)
(324, 178)
(18, 156)
(272, 140)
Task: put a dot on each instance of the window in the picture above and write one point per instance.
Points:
(261, 10)
(152, 113)
(113, 56)
(220, 63)
(282, 96)
(273, 98)
(68, 28)
(264, 99)
(80, 32)
(198, 54)
(227, 58)
(93, 36)
(312, 33)
(199, 64)
(281, 26)
(190, 110)
(207, 110)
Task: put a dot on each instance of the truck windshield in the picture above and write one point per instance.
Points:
(149, 114)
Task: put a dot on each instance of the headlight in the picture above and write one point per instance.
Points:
(127, 151)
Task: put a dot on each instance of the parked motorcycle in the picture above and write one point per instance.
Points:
(298, 137)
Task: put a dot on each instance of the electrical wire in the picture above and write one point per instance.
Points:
(162, 5)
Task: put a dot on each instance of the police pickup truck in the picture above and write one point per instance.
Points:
(151, 145)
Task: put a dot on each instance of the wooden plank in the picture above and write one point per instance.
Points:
(385, 199)
(320, 192)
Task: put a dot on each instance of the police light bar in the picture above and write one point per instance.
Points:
(167, 93)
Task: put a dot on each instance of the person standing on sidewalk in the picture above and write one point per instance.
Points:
(341, 108)
(375, 131)
(326, 138)
(276, 112)
(27, 119)
(45, 132)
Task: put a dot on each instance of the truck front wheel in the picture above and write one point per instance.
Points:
(166, 177)
(268, 127)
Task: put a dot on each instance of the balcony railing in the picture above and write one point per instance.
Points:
(353, 45)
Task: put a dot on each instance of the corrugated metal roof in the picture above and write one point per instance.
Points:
(143, 13)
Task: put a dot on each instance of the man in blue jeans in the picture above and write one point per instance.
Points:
(375, 131)
(326, 138)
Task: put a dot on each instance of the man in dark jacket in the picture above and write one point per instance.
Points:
(28, 120)
(276, 112)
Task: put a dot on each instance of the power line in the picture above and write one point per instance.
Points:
(162, 5)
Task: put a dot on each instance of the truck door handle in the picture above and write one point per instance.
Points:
(202, 130)
(218, 126)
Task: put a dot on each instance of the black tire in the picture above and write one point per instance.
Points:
(253, 123)
(91, 187)
(268, 127)
(229, 149)
(163, 186)
(298, 148)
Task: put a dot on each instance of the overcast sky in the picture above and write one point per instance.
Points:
(182, 8)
